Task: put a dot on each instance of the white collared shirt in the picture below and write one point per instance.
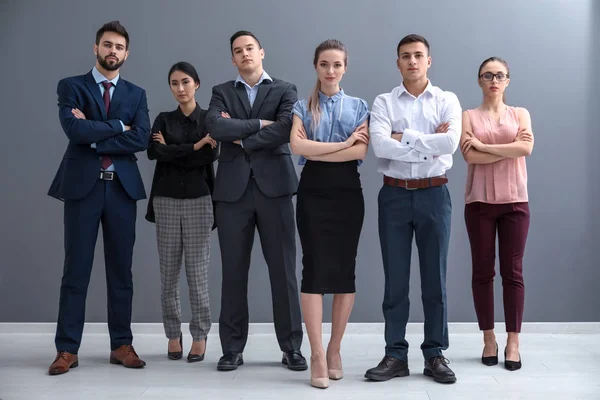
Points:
(422, 153)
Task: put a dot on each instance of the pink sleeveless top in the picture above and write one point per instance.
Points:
(504, 181)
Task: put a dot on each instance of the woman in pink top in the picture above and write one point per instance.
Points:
(495, 140)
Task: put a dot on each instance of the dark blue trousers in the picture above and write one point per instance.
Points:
(109, 204)
(424, 214)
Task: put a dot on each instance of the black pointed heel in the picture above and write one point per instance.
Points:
(490, 360)
(512, 365)
(192, 358)
(176, 355)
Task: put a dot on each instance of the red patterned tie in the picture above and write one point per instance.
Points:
(106, 161)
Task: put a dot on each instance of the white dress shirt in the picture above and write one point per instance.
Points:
(422, 153)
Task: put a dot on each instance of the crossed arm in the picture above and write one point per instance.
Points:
(476, 152)
(412, 145)
(251, 134)
(354, 148)
(109, 137)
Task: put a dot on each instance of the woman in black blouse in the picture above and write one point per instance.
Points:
(180, 204)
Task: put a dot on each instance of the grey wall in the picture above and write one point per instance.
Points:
(548, 44)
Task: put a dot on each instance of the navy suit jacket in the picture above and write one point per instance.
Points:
(80, 167)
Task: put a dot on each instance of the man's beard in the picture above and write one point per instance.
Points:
(106, 65)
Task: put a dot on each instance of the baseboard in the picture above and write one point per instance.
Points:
(353, 328)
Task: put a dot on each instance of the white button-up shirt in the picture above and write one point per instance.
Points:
(422, 153)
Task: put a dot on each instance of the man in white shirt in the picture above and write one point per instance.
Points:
(414, 131)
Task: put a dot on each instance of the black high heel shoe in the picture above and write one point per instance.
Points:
(512, 365)
(490, 360)
(197, 357)
(177, 355)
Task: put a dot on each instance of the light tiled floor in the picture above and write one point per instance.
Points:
(565, 366)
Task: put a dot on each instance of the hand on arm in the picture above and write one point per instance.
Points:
(488, 153)
(300, 143)
(357, 149)
(227, 129)
(470, 153)
(78, 129)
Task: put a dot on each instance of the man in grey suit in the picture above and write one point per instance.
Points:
(254, 186)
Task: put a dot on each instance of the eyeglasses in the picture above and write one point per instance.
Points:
(488, 76)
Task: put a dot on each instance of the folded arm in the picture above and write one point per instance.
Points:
(384, 146)
(471, 155)
(438, 144)
(227, 129)
(82, 131)
(301, 145)
(516, 149)
(133, 140)
(277, 133)
(357, 151)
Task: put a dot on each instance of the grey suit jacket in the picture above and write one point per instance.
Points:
(265, 151)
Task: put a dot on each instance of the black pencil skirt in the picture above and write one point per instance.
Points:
(329, 212)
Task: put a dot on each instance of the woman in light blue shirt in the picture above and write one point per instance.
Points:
(330, 133)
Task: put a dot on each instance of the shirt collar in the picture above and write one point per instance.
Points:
(324, 98)
(194, 116)
(402, 88)
(98, 77)
(263, 77)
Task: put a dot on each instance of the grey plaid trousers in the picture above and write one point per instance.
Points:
(183, 226)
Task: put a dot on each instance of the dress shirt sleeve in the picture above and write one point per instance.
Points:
(380, 128)
(438, 144)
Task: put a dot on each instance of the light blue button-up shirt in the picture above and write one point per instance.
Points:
(252, 91)
(99, 78)
(340, 116)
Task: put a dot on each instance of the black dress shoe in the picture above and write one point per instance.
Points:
(388, 368)
(437, 368)
(176, 355)
(294, 360)
(192, 358)
(490, 360)
(512, 365)
(230, 362)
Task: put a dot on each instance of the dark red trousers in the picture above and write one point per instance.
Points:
(511, 221)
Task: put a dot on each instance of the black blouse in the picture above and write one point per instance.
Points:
(181, 172)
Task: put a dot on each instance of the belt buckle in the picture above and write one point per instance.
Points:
(406, 186)
(107, 175)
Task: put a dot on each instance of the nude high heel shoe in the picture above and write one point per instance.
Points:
(336, 374)
(319, 383)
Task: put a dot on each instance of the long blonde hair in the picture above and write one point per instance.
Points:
(313, 100)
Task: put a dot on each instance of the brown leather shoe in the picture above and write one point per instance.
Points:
(126, 356)
(63, 363)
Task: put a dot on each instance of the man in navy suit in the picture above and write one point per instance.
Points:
(106, 121)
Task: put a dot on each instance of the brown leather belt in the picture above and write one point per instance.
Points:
(412, 184)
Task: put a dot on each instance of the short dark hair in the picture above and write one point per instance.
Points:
(412, 38)
(116, 27)
(187, 69)
(243, 33)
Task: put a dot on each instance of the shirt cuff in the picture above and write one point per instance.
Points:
(259, 124)
(122, 125)
(409, 137)
(93, 145)
(242, 143)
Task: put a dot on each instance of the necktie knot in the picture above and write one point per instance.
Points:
(107, 85)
